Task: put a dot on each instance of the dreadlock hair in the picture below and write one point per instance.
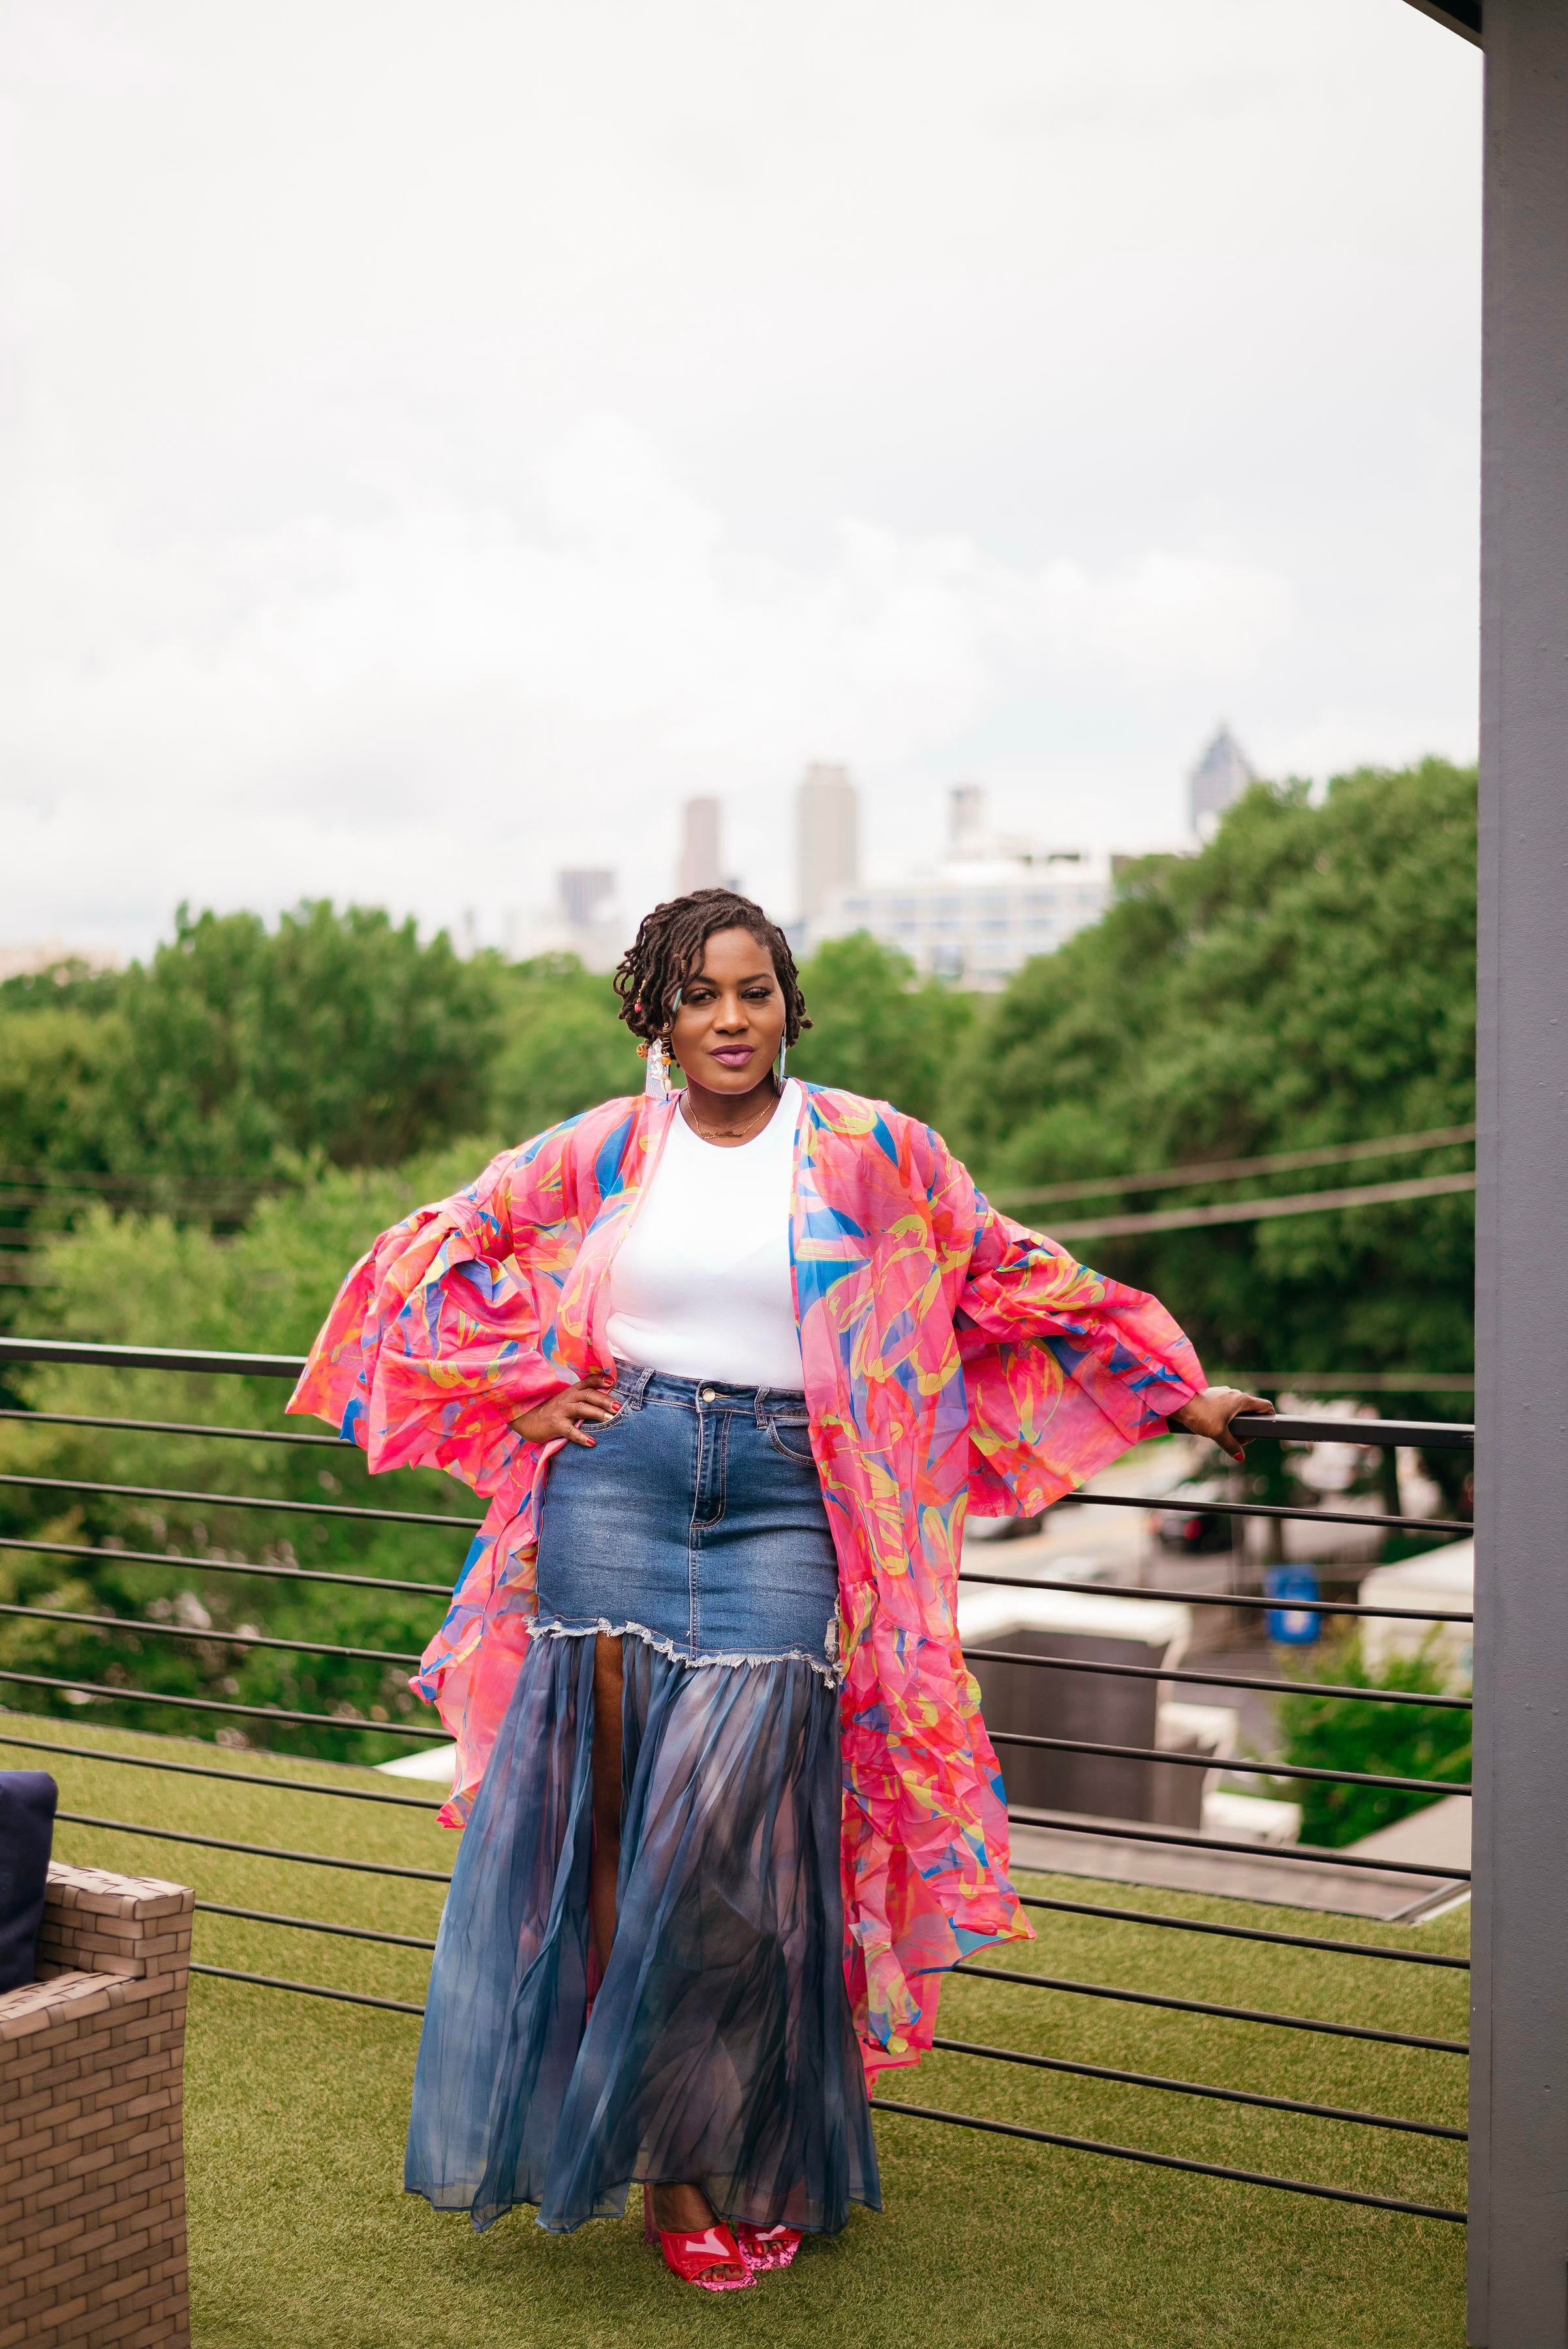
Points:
(667, 951)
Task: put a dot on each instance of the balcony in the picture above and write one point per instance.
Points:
(1180, 2115)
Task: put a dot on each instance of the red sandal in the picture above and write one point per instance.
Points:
(693, 2257)
(768, 2247)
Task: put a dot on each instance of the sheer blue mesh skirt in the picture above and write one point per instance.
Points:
(718, 2048)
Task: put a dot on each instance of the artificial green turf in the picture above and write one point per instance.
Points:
(301, 2238)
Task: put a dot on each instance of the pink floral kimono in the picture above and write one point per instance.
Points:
(952, 1361)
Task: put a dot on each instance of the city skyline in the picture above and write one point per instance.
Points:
(416, 491)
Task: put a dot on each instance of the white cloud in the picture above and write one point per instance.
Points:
(365, 700)
(431, 451)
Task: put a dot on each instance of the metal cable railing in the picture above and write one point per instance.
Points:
(1241, 1932)
(1291, 1855)
(1382, 1433)
(349, 1722)
(439, 1590)
(1201, 2088)
(238, 1778)
(259, 1850)
(1353, 1608)
(1207, 2006)
(207, 1565)
(1162, 2160)
(1163, 1754)
(1219, 1680)
(215, 1635)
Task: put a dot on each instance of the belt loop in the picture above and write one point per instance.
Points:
(761, 1408)
(636, 1385)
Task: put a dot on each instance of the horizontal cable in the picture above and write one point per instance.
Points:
(1240, 1933)
(361, 1933)
(1154, 1505)
(136, 1624)
(254, 1850)
(189, 1631)
(207, 1770)
(1196, 2088)
(50, 1178)
(230, 1565)
(1227, 1169)
(1314, 1855)
(150, 1358)
(1225, 2013)
(181, 1427)
(1164, 2160)
(1162, 1505)
(1285, 1428)
(1230, 1762)
(1027, 1900)
(314, 1989)
(1257, 1211)
(1222, 1680)
(225, 1704)
(1213, 1598)
(250, 1501)
(924, 2112)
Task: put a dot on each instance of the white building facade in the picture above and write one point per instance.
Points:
(984, 911)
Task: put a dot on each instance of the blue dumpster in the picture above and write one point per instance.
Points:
(1293, 1627)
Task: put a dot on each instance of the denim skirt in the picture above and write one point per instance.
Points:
(718, 2048)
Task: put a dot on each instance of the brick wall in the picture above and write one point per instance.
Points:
(92, 2174)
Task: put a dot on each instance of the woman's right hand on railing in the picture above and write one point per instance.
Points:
(563, 1418)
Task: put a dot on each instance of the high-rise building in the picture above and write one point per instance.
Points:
(699, 867)
(966, 821)
(584, 891)
(1217, 781)
(827, 838)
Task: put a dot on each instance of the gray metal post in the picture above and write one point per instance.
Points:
(1519, 2161)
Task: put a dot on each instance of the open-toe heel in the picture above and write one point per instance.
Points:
(768, 2247)
(711, 2257)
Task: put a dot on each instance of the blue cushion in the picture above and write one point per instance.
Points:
(28, 1799)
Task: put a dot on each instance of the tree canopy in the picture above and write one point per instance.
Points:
(1307, 979)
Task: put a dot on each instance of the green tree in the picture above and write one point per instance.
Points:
(875, 1028)
(337, 1035)
(1308, 979)
(1395, 1741)
(563, 1047)
(265, 1290)
(71, 985)
(55, 1063)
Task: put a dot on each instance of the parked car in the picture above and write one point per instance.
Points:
(1193, 1532)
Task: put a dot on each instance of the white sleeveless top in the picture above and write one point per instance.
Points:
(701, 1286)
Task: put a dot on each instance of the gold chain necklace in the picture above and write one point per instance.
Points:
(732, 1133)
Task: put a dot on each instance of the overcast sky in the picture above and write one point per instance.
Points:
(437, 439)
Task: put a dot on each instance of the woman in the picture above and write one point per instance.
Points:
(732, 1363)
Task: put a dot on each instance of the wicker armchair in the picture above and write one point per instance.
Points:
(92, 2179)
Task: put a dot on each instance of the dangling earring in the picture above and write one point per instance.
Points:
(656, 1084)
(779, 1066)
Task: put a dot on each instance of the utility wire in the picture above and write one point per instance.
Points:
(1227, 1170)
(1252, 1211)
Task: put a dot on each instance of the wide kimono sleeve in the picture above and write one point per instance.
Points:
(1064, 1368)
(444, 1332)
